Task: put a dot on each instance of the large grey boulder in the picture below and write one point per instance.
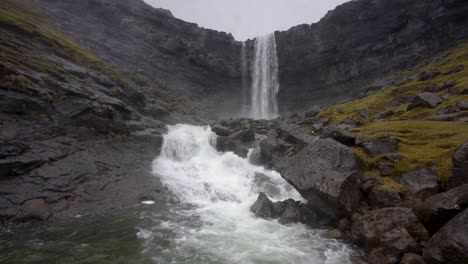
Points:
(460, 166)
(381, 146)
(326, 173)
(449, 245)
(421, 183)
(427, 100)
(339, 134)
(397, 230)
(444, 206)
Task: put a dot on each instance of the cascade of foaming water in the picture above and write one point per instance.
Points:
(265, 84)
(218, 227)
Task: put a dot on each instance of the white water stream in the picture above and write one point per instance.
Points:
(265, 83)
(217, 225)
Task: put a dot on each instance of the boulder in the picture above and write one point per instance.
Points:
(221, 131)
(444, 206)
(244, 136)
(35, 209)
(432, 88)
(460, 166)
(288, 211)
(384, 227)
(427, 75)
(381, 197)
(381, 146)
(427, 100)
(263, 207)
(412, 258)
(450, 243)
(326, 173)
(421, 183)
(339, 134)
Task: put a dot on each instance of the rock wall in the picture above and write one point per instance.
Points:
(190, 61)
(354, 47)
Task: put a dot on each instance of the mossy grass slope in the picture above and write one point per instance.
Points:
(422, 143)
(18, 18)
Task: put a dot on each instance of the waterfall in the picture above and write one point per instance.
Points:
(215, 225)
(265, 84)
(245, 80)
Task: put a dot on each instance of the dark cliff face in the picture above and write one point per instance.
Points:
(354, 50)
(198, 63)
(361, 42)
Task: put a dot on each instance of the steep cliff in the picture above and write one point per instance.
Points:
(354, 47)
(150, 44)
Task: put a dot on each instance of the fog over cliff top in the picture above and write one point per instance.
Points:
(248, 18)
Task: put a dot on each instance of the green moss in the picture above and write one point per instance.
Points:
(18, 18)
(391, 184)
(379, 102)
(422, 144)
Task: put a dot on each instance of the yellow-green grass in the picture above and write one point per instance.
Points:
(19, 19)
(421, 143)
(378, 102)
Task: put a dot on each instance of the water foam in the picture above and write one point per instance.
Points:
(218, 226)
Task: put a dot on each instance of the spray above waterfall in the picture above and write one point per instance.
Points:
(264, 75)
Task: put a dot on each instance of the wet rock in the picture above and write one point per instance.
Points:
(226, 144)
(292, 213)
(427, 75)
(427, 100)
(444, 206)
(460, 166)
(339, 134)
(244, 136)
(382, 255)
(35, 209)
(265, 185)
(380, 227)
(326, 173)
(333, 234)
(381, 146)
(222, 131)
(450, 243)
(381, 197)
(412, 258)
(263, 207)
(421, 183)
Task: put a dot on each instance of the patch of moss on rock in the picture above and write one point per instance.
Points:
(421, 144)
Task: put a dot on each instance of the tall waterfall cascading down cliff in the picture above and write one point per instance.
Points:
(265, 83)
(217, 190)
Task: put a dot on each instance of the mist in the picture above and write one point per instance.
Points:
(248, 18)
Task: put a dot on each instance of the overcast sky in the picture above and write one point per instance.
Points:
(248, 18)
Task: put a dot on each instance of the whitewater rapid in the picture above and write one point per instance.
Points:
(213, 223)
